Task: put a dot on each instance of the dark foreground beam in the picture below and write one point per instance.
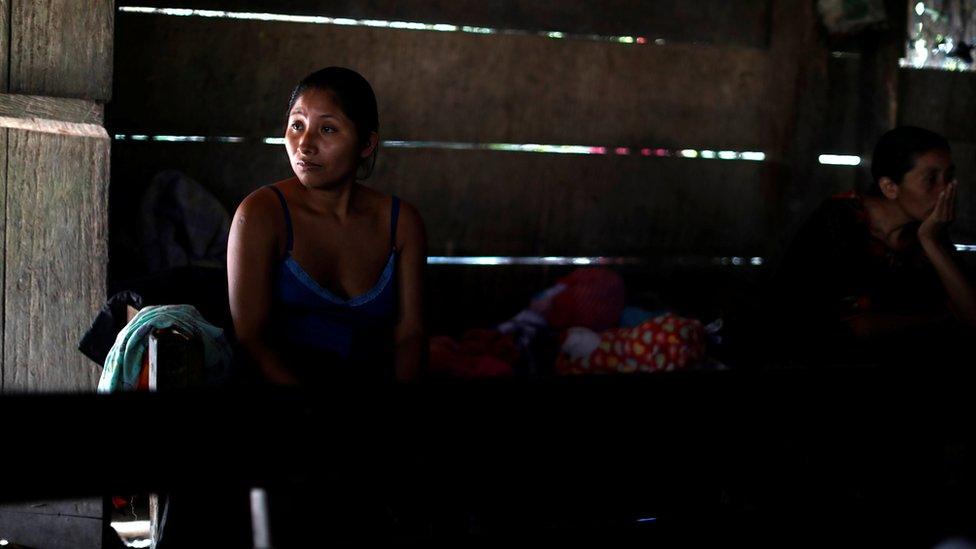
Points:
(640, 444)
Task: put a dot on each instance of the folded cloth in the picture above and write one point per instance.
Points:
(124, 361)
(664, 343)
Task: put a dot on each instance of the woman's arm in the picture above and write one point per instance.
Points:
(251, 252)
(962, 298)
(870, 325)
(824, 283)
(409, 336)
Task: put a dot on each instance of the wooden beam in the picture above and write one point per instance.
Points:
(56, 258)
(44, 125)
(57, 115)
(51, 108)
(698, 418)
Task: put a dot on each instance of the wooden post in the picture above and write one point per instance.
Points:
(55, 76)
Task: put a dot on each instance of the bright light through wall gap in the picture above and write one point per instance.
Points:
(529, 260)
(503, 147)
(378, 23)
(839, 160)
(571, 260)
(179, 138)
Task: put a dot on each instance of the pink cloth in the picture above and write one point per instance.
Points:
(593, 298)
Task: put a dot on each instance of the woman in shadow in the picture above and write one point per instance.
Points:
(325, 274)
(874, 278)
(325, 280)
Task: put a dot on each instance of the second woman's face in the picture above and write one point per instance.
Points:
(322, 143)
(920, 188)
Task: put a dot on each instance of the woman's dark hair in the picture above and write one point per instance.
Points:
(898, 149)
(354, 96)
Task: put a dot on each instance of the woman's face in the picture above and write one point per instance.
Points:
(920, 188)
(322, 142)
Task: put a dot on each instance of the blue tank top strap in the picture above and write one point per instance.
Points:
(284, 206)
(394, 216)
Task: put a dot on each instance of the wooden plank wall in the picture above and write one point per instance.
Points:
(57, 159)
(480, 89)
(55, 76)
(490, 203)
(724, 79)
(771, 81)
(475, 88)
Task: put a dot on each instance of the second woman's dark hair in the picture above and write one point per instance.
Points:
(354, 96)
(898, 149)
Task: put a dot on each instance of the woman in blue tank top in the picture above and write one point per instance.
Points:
(325, 274)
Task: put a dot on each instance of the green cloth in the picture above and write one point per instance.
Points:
(124, 361)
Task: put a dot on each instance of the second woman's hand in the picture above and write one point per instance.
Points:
(931, 230)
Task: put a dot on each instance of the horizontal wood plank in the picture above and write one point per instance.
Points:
(177, 76)
(496, 203)
(51, 108)
(739, 22)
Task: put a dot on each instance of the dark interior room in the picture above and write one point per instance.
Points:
(617, 273)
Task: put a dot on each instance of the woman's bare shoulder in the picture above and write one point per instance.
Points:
(410, 225)
(260, 210)
(261, 201)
